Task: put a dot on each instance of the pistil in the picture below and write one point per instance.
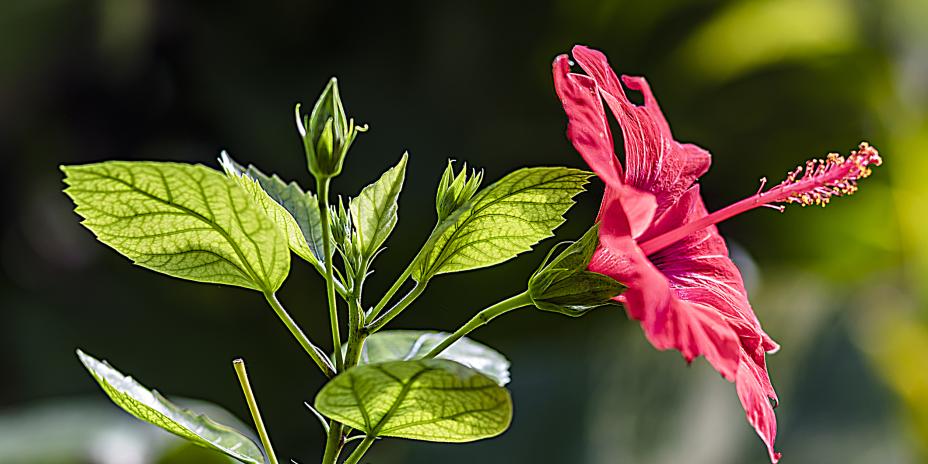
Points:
(813, 183)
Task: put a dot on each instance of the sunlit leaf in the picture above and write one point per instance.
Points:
(404, 345)
(374, 210)
(294, 211)
(151, 407)
(432, 400)
(503, 220)
(187, 221)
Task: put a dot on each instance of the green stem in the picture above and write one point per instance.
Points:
(322, 360)
(333, 443)
(357, 335)
(398, 308)
(239, 365)
(392, 291)
(404, 276)
(362, 448)
(322, 185)
(335, 439)
(521, 300)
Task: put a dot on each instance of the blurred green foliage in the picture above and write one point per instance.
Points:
(763, 84)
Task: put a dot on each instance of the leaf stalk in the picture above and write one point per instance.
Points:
(518, 301)
(321, 359)
(242, 374)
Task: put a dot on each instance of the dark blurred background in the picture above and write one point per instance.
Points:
(762, 84)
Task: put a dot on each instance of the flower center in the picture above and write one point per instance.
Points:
(813, 183)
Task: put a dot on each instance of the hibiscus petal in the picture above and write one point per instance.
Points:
(700, 271)
(587, 127)
(668, 322)
(625, 211)
(757, 407)
(654, 161)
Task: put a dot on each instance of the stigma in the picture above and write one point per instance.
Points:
(814, 183)
(818, 180)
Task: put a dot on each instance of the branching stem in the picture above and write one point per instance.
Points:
(362, 448)
(397, 308)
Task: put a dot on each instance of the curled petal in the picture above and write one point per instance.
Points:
(587, 127)
(654, 161)
(625, 211)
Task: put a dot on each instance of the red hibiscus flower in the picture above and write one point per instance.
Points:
(657, 238)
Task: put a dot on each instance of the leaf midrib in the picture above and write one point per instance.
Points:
(399, 398)
(474, 212)
(225, 235)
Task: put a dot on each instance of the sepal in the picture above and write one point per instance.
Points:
(562, 284)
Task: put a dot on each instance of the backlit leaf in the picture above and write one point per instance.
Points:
(296, 212)
(150, 406)
(432, 400)
(503, 220)
(374, 210)
(404, 345)
(187, 221)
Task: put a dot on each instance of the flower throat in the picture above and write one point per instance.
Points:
(813, 183)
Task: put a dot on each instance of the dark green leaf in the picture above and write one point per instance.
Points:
(304, 227)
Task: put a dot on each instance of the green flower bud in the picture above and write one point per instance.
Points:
(327, 133)
(455, 190)
(563, 285)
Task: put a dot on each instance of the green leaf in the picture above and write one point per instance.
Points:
(503, 220)
(299, 219)
(563, 285)
(404, 345)
(150, 406)
(187, 221)
(432, 400)
(374, 211)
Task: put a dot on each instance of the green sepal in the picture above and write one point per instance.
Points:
(150, 406)
(432, 400)
(562, 284)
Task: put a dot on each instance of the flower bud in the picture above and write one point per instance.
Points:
(455, 190)
(562, 284)
(327, 133)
